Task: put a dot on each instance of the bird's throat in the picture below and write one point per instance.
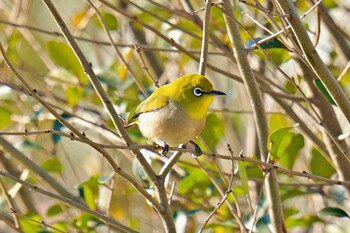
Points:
(200, 109)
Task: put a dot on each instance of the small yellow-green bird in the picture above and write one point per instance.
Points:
(176, 113)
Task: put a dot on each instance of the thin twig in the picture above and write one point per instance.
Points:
(9, 222)
(217, 207)
(255, 214)
(42, 223)
(145, 47)
(172, 191)
(144, 66)
(205, 38)
(10, 205)
(345, 70)
(263, 9)
(120, 55)
(227, 193)
(286, 28)
(209, 154)
(223, 193)
(238, 111)
(170, 163)
(191, 33)
(318, 26)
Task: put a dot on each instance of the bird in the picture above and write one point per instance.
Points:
(175, 114)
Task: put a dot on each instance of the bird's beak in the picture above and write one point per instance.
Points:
(216, 93)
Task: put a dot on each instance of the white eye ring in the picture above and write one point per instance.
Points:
(197, 91)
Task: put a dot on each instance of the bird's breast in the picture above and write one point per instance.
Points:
(170, 125)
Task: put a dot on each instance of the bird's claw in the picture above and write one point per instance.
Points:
(197, 150)
(164, 150)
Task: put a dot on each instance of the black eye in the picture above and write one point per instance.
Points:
(197, 91)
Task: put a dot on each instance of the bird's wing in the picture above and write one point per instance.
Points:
(151, 104)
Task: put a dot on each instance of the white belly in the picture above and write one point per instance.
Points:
(170, 125)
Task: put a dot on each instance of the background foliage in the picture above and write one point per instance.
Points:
(308, 132)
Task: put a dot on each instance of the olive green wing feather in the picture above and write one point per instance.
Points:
(151, 104)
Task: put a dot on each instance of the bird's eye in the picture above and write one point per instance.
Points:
(197, 91)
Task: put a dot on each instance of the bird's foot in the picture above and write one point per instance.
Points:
(164, 148)
(197, 150)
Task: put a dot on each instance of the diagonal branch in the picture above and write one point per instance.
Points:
(163, 206)
(104, 153)
(98, 87)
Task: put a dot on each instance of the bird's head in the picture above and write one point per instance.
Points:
(194, 93)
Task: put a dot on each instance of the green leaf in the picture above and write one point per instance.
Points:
(54, 210)
(277, 121)
(110, 20)
(291, 150)
(61, 226)
(52, 165)
(277, 141)
(284, 144)
(254, 172)
(319, 165)
(289, 212)
(293, 192)
(20, 51)
(302, 222)
(89, 191)
(196, 179)
(12, 47)
(74, 95)
(29, 226)
(5, 116)
(279, 56)
(243, 176)
(222, 227)
(324, 91)
(290, 87)
(63, 55)
(89, 196)
(213, 131)
(275, 138)
(86, 223)
(187, 26)
(329, 4)
(148, 18)
(93, 181)
(333, 211)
